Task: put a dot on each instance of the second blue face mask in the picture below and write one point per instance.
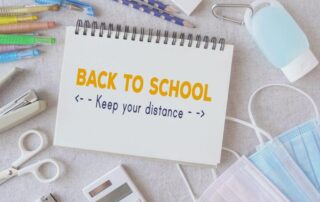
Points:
(302, 143)
(274, 161)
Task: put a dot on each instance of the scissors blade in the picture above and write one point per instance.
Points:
(7, 174)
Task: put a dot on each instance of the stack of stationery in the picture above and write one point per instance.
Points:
(157, 9)
(16, 24)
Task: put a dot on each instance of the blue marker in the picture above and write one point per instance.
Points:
(73, 4)
(18, 55)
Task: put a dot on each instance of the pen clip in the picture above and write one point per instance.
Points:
(80, 4)
(74, 7)
(26, 99)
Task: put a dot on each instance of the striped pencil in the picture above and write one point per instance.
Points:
(156, 12)
(162, 6)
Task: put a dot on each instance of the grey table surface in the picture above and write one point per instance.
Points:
(276, 109)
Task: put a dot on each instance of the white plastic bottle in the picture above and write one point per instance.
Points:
(280, 38)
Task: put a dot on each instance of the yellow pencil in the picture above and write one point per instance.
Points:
(16, 19)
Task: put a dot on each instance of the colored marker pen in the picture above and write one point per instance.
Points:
(11, 39)
(18, 55)
(10, 48)
(26, 27)
(16, 19)
(22, 10)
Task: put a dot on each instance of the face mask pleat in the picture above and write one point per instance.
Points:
(302, 143)
(242, 182)
(308, 126)
(223, 187)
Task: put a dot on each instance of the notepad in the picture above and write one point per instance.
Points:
(143, 92)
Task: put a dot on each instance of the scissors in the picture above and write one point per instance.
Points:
(26, 154)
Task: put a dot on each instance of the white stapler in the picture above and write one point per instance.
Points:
(20, 110)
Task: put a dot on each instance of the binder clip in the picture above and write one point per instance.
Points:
(71, 4)
(20, 110)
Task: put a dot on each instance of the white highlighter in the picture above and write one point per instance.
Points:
(115, 186)
(187, 6)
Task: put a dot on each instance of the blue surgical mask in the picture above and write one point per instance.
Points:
(273, 160)
(291, 160)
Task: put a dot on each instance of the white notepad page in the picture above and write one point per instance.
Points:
(87, 117)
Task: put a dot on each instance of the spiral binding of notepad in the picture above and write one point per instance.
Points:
(177, 39)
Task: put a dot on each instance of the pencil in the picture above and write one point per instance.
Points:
(26, 27)
(21, 10)
(156, 12)
(16, 19)
(162, 6)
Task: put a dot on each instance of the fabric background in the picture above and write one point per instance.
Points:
(276, 109)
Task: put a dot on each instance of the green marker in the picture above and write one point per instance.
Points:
(10, 39)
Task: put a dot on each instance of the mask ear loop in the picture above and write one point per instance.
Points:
(315, 107)
(226, 149)
(187, 183)
(214, 171)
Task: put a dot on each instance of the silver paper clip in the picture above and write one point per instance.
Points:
(215, 7)
(21, 109)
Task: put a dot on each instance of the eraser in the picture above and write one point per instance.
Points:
(187, 6)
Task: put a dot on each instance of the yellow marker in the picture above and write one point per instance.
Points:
(22, 10)
(16, 19)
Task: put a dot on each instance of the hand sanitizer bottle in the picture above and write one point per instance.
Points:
(280, 38)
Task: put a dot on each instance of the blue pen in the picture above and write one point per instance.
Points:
(156, 12)
(72, 4)
(18, 55)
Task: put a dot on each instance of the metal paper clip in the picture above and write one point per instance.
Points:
(215, 7)
(20, 110)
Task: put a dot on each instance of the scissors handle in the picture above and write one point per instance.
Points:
(35, 170)
(25, 153)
